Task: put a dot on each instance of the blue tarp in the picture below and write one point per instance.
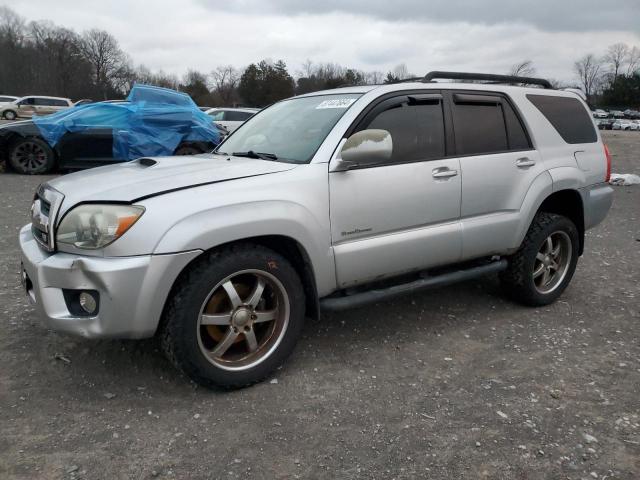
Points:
(153, 121)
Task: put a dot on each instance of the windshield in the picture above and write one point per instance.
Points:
(291, 130)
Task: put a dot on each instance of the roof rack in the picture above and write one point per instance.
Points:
(487, 77)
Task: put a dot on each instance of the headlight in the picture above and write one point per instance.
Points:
(95, 226)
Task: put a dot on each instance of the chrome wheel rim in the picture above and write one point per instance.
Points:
(552, 262)
(29, 155)
(243, 320)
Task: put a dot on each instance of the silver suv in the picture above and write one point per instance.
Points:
(327, 200)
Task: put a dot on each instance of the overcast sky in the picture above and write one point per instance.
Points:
(470, 35)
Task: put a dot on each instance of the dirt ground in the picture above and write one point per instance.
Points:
(448, 384)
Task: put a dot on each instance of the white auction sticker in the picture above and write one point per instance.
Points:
(336, 103)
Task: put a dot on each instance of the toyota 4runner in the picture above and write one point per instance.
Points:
(327, 200)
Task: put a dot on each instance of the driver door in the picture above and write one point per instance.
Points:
(403, 215)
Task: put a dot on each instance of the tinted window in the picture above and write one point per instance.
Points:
(417, 130)
(516, 136)
(234, 116)
(568, 116)
(479, 127)
(7, 99)
(27, 101)
(42, 102)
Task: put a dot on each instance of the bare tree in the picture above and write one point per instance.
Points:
(523, 69)
(633, 60)
(588, 69)
(401, 72)
(101, 49)
(12, 26)
(224, 82)
(615, 57)
(374, 78)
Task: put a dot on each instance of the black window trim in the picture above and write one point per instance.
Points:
(383, 102)
(486, 97)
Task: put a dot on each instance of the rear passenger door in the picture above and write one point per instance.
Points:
(403, 215)
(498, 165)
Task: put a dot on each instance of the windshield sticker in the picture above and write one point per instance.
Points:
(336, 103)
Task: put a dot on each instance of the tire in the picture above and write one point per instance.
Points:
(535, 276)
(9, 115)
(186, 149)
(199, 297)
(31, 156)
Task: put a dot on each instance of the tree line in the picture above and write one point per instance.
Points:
(43, 58)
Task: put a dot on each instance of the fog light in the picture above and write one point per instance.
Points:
(87, 302)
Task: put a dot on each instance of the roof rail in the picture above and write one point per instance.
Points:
(488, 77)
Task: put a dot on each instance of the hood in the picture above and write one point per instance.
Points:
(148, 177)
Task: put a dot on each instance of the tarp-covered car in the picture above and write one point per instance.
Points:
(152, 121)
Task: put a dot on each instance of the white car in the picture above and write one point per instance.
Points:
(7, 98)
(231, 118)
(27, 107)
(623, 125)
(599, 113)
(635, 125)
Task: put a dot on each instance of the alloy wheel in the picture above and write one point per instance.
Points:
(29, 155)
(243, 320)
(552, 262)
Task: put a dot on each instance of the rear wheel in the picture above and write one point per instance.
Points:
(542, 268)
(234, 317)
(10, 115)
(31, 156)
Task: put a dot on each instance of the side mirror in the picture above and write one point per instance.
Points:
(365, 148)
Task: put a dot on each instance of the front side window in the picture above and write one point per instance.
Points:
(217, 116)
(291, 130)
(416, 128)
(27, 101)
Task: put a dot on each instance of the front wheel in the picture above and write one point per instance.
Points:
(10, 115)
(234, 316)
(31, 156)
(542, 268)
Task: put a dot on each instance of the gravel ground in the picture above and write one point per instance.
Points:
(452, 383)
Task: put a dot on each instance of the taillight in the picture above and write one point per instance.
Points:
(608, 155)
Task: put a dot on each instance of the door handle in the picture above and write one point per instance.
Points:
(443, 172)
(525, 162)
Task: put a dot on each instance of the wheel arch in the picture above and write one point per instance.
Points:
(568, 203)
(284, 245)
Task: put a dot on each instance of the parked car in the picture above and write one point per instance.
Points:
(599, 113)
(7, 98)
(632, 114)
(604, 123)
(27, 107)
(622, 124)
(231, 118)
(617, 114)
(328, 200)
(84, 101)
(635, 125)
(109, 132)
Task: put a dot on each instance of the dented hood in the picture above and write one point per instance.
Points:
(147, 177)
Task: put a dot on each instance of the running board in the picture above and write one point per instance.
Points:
(378, 294)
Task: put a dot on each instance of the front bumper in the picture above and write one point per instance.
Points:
(132, 290)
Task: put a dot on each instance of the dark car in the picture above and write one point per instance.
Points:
(152, 122)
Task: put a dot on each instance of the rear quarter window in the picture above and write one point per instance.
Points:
(568, 116)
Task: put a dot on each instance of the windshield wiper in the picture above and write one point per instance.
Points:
(260, 155)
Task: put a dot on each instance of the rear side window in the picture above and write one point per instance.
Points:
(486, 124)
(234, 116)
(416, 128)
(568, 116)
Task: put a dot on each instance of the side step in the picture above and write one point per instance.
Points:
(379, 294)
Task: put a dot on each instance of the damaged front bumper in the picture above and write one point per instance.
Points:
(131, 291)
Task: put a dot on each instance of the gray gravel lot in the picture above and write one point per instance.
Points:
(452, 383)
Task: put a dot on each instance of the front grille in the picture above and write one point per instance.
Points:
(43, 214)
